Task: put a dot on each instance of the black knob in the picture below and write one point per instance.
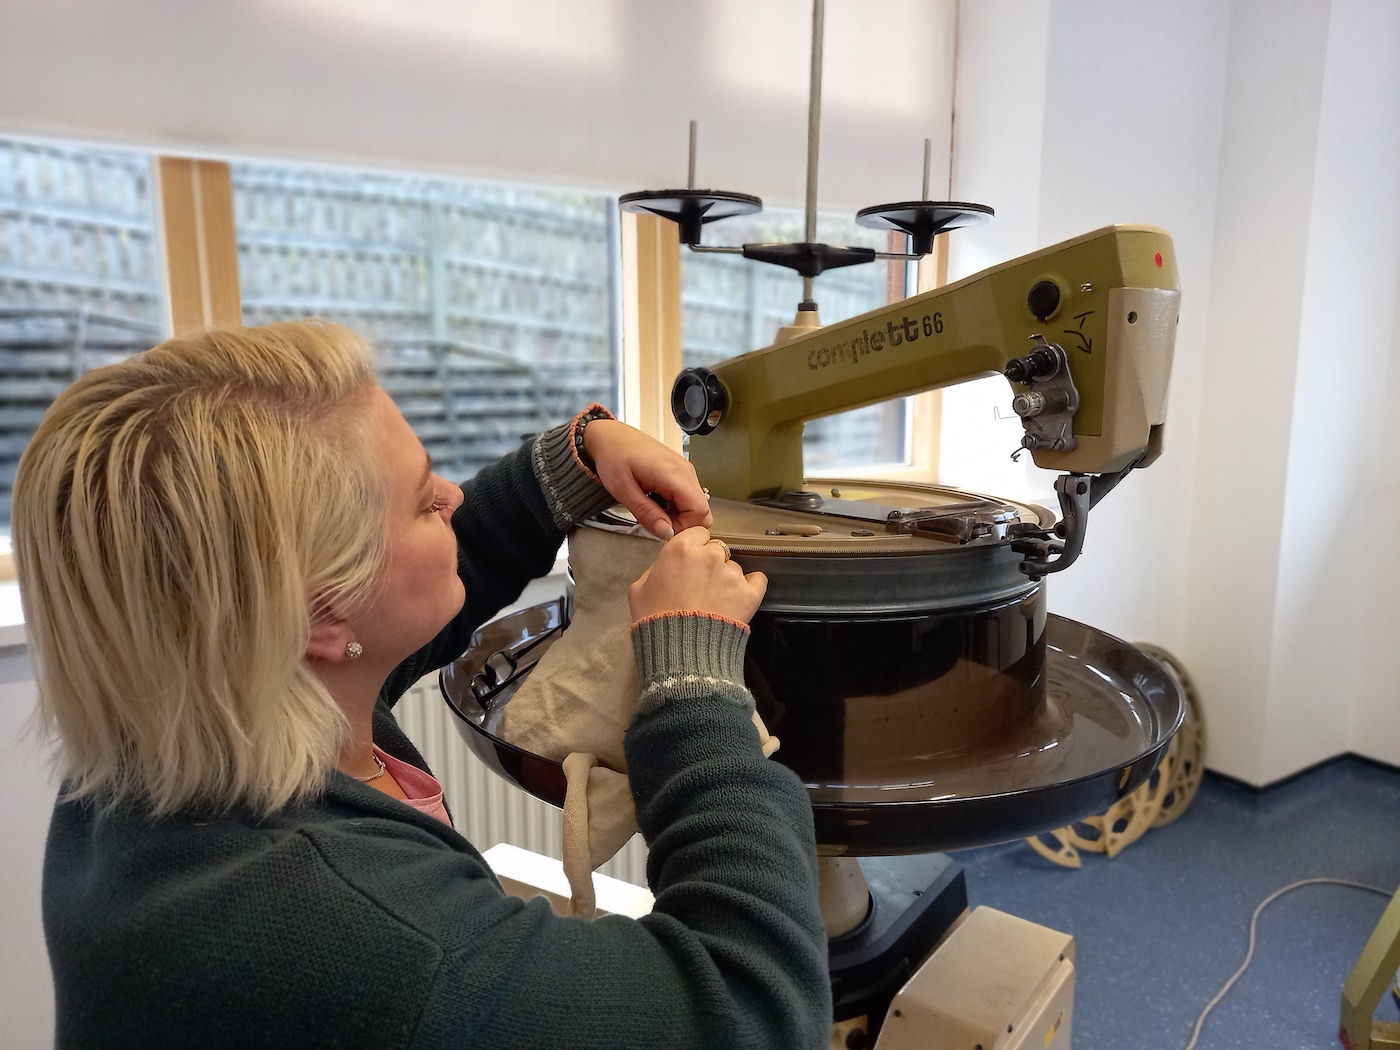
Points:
(1038, 364)
(698, 401)
(1043, 299)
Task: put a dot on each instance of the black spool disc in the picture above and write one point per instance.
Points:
(691, 209)
(923, 220)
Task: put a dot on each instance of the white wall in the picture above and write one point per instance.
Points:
(1272, 101)
(1346, 319)
(1302, 322)
(1264, 138)
(1003, 52)
(28, 788)
(1375, 726)
(1132, 134)
(1070, 117)
(1346, 456)
(591, 92)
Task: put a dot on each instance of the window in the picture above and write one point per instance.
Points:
(732, 305)
(491, 306)
(79, 281)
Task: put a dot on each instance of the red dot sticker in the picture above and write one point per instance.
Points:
(1157, 258)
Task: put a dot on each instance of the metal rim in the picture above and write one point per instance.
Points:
(824, 581)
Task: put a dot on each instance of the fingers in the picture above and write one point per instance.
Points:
(678, 492)
(694, 573)
(758, 587)
(696, 536)
(691, 518)
(648, 514)
(629, 463)
(679, 507)
(670, 509)
(690, 505)
(683, 519)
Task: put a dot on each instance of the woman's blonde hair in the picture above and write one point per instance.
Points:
(179, 518)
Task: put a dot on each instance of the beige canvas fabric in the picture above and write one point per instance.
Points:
(578, 701)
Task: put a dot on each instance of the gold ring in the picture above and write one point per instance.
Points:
(723, 545)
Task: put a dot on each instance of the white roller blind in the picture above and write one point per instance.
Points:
(584, 92)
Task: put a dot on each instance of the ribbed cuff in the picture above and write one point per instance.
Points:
(690, 655)
(571, 491)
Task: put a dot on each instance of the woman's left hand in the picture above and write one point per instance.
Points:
(631, 465)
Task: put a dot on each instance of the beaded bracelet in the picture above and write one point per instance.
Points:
(580, 424)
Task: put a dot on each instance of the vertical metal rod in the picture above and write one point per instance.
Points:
(690, 178)
(928, 159)
(953, 108)
(814, 121)
(80, 331)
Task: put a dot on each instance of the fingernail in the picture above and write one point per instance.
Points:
(665, 531)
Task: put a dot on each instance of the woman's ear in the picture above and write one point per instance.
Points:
(329, 642)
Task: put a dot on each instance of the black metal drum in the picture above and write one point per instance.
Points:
(912, 673)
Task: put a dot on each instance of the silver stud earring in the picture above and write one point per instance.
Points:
(353, 649)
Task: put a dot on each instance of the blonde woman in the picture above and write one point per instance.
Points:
(235, 556)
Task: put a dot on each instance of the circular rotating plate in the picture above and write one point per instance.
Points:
(832, 550)
(1118, 708)
(820, 527)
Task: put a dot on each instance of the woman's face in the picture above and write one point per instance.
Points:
(420, 591)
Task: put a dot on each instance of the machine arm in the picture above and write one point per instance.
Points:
(1106, 300)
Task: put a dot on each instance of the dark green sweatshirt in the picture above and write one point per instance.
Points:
(357, 921)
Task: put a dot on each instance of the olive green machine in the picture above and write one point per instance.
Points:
(1083, 331)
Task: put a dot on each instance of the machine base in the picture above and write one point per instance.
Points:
(920, 973)
(915, 902)
(997, 982)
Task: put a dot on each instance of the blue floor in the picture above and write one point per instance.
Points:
(1160, 927)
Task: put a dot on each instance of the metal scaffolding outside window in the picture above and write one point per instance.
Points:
(731, 305)
(79, 283)
(492, 307)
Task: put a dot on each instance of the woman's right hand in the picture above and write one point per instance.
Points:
(693, 573)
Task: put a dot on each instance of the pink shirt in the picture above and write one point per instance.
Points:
(423, 791)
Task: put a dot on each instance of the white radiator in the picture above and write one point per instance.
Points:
(485, 808)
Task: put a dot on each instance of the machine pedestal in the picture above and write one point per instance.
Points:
(997, 982)
(915, 903)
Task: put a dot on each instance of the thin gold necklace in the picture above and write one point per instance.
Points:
(373, 776)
